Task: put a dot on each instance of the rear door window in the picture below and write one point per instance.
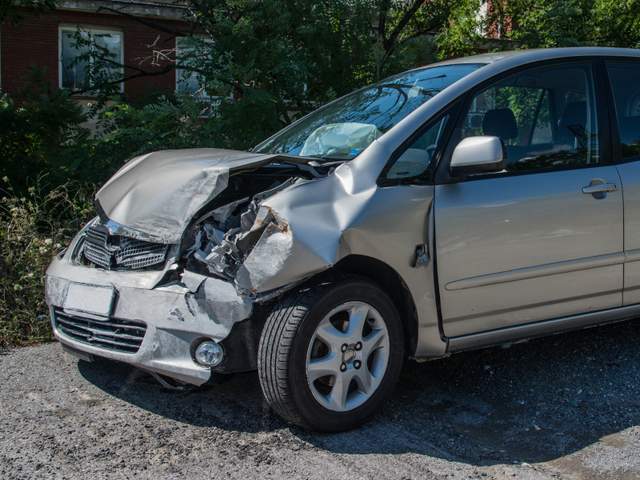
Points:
(625, 82)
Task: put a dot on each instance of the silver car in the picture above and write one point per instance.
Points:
(473, 202)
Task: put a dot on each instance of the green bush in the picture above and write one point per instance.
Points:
(34, 226)
(42, 133)
(125, 131)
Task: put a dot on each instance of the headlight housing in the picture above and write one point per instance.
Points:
(73, 250)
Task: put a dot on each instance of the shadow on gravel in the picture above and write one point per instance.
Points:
(234, 405)
(533, 402)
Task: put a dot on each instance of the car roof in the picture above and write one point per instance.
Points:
(536, 54)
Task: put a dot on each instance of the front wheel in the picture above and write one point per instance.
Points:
(329, 355)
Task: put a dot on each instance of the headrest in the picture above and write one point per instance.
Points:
(500, 122)
(574, 114)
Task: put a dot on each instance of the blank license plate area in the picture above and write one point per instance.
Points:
(89, 299)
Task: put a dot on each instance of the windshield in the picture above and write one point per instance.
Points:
(344, 128)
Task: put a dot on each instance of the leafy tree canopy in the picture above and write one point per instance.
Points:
(541, 24)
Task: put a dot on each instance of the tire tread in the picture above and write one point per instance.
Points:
(281, 350)
(274, 349)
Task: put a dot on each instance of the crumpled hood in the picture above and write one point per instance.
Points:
(154, 197)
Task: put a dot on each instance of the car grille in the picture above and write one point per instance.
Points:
(111, 334)
(115, 252)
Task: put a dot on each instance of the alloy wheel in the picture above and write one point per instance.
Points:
(347, 356)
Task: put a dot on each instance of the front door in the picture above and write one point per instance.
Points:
(544, 238)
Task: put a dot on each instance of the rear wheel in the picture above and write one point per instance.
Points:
(329, 355)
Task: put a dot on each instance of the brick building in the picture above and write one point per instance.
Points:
(135, 32)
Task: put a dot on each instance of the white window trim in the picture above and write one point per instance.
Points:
(92, 30)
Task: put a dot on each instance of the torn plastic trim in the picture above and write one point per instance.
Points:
(216, 299)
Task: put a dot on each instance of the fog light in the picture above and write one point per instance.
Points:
(209, 353)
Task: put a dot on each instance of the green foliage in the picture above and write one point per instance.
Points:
(616, 23)
(463, 34)
(125, 131)
(542, 24)
(41, 132)
(276, 60)
(550, 23)
(33, 227)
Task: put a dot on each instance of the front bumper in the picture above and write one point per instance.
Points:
(175, 317)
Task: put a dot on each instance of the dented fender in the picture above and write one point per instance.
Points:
(332, 218)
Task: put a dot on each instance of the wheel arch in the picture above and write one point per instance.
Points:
(386, 277)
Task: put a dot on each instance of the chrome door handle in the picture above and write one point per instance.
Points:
(599, 188)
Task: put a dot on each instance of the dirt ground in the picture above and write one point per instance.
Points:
(567, 406)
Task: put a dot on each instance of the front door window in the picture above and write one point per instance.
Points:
(545, 116)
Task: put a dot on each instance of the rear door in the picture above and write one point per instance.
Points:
(544, 238)
(624, 78)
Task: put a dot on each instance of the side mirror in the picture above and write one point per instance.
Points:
(477, 155)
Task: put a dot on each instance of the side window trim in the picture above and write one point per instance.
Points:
(596, 64)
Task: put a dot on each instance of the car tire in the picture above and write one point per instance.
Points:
(313, 370)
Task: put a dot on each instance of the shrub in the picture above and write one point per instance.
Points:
(33, 227)
(125, 130)
(42, 133)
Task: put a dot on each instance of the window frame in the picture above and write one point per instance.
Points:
(204, 95)
(73, 28)
(601, 91)
(178, 70)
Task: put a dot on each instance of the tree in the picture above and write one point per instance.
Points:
(400, 22)
(14, 10)
(542, 24)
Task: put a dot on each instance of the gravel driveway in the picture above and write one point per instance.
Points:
(562, 407)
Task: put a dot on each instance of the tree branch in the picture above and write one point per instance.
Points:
(123, 79)
(407, 16)
(382, 19)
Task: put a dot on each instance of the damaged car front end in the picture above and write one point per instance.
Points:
(149, 291)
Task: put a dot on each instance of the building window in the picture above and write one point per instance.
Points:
(187, 80)
(89, 57)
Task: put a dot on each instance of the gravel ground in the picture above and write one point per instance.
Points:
(562, 407)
